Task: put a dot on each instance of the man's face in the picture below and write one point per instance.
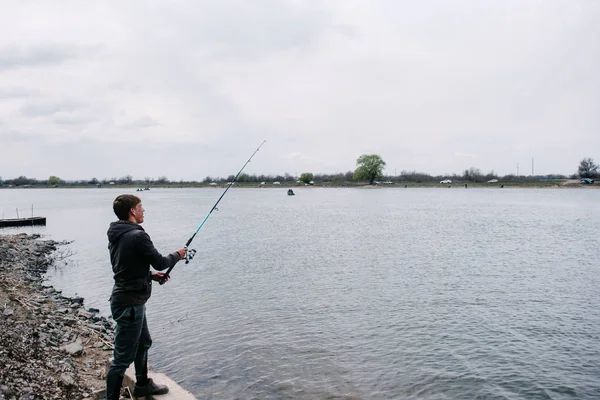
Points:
(138, 213)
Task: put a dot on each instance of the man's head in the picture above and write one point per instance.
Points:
(128, 207)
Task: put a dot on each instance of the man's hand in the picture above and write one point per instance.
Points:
(182, 253)
(157, 276)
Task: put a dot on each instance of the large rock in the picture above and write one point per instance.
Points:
(67, 379)
(74, 349)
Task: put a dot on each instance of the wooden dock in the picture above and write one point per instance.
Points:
(5, 223)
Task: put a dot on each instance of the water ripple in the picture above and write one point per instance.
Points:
(365, 294)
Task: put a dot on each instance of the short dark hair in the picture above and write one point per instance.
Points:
(123, 204)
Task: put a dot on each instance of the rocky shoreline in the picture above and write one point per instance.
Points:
(51, 347)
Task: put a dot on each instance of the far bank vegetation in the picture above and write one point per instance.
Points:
(369, 170)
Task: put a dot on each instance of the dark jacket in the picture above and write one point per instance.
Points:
(131, 254)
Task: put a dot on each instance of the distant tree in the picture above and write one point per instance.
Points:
(148, 180)
(320, 178)
(127, 179)
(491, 175)
(243, 178)
(21, 180)
(335, 178)
(415, 176)
(93, 181)
(54, 180)
(306, 177)
(473, 174)
(289, 178)
(370, 167)
(587, 168)
(162, 180)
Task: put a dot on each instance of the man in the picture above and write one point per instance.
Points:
(131, 255)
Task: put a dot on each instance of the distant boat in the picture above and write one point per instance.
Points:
(5, 223)
(291, 192)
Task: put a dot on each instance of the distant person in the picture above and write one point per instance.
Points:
(131, 255)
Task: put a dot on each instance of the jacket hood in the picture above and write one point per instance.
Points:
(119, 228)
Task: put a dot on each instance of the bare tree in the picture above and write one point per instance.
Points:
(587, 168)
(473, 174)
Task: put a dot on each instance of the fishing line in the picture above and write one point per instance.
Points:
(191, 252)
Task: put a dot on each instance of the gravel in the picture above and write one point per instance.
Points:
(51, 347)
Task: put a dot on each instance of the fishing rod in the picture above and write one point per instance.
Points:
(191, 252)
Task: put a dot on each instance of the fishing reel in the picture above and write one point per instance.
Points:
(189, 255)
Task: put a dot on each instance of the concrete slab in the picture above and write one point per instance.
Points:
(176, 392)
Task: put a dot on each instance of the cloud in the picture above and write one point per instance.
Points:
(296, 156)
(39, 55)
(235, 30)
(425, 85)
(348, 30)
(465, 155)
(73, 120)
(17, 92)
(11, 136)
(143, 122)
(50, 107)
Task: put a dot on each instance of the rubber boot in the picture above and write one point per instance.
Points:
(113, 387)
(149, 389)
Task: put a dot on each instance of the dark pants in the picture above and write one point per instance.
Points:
(132, 341)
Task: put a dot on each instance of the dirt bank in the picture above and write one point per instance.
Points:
(51, 347)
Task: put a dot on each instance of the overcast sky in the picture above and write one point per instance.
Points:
(187, 89)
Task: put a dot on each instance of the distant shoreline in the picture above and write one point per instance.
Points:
(404, 185)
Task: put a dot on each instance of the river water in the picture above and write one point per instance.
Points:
(356, 293)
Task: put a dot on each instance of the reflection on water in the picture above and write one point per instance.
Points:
(350, 293)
